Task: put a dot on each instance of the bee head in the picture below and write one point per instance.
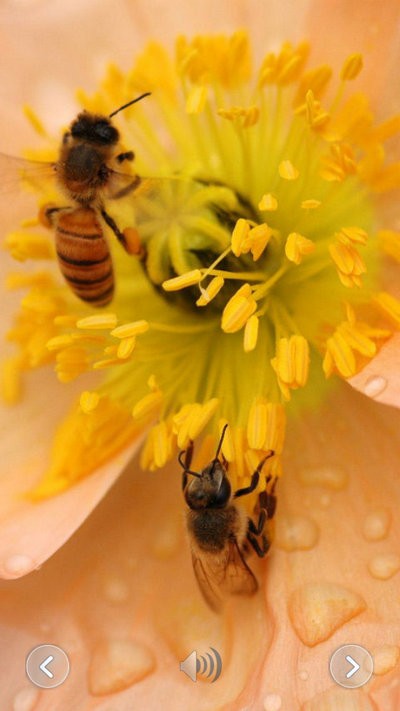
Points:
(209, 489)
(93, 128)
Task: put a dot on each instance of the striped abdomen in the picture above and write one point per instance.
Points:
(84, 256)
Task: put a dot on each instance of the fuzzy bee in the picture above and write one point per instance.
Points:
(221, 533)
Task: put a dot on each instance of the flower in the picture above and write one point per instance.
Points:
(271, 267)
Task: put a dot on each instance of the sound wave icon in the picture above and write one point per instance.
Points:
(209, 665)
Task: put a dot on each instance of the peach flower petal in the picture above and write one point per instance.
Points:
(30, 532)
(380, 379)
(366, 27)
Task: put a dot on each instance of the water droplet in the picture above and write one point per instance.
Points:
(376, 525)
(325, 501)
(166, 541)
(328, 476)
(375, 385)
(26, 699)
(115, 590)
(272, 702)
(17, 565)
(117, 664)
(384, 566)
(295, 533)
(45, 627)
(316, 610)
(386, 658)
(303, 675)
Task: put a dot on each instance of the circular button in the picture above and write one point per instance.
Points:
(47, 666)
(351, 666)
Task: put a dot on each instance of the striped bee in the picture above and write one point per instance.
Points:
(85, 174)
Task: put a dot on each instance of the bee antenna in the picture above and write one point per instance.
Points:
(125, 106)
(188, 471)
(221, 441)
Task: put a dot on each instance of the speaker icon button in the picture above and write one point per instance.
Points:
(207, 666)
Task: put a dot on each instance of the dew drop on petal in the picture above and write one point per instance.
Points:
(386, 658)
(328, 476)
(325, 501)
(303, 675)
(17, 565)
(117, 664)
(384, 566)
(272, 702)
(316, 610)
(26, 699)
(375, 385)
(376, 525)
(293, 533)
(115, 590)
(166, 541)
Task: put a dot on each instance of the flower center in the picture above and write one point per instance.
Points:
(261, 258)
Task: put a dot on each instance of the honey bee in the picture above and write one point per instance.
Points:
(221, 533)
(85, 174)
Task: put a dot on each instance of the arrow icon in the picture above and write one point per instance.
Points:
(43, 666)
(354, 664)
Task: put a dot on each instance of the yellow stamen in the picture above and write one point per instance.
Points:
(135, 328)
(23, 246)
(239, 235)
(287, 171)
(213, 288)
(291, 362)
(250, 334)
(35, 121)
(268, 202)
(352, 67)
(310, 204)
(101, 322)
(266, 425)
(180, 282)
(11, 386)
(126, 347)
(238, 310)
(390, 306)
(89, 401)
(196, 100)
(148, 406)
(297, 246)
(347, 235)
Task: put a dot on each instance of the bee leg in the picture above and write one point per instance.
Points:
(255, 478)
(129, 239)
(248, 489)
(262, 549)
(113, 226)
(47, 213)
(267, 499)
(255, 531)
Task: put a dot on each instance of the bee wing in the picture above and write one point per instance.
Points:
(121, 184)
(223, 574)
(16, 173)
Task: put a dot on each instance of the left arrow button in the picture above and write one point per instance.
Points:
(43, 666)
(47, 666)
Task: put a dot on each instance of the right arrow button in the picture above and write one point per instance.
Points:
(361, 666)
(354, 666)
